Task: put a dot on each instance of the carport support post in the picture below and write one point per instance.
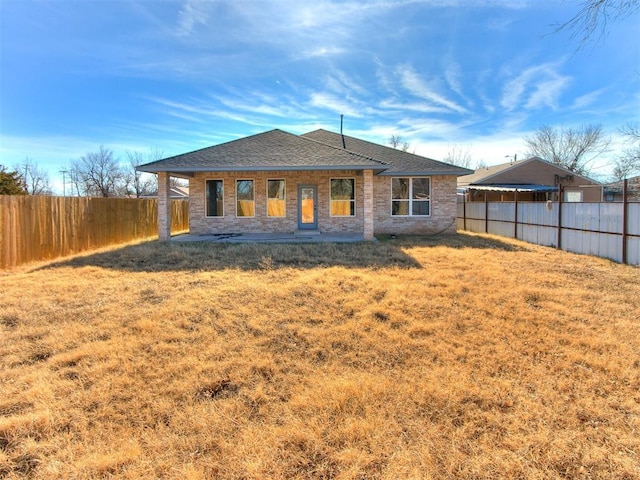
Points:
(368, 204)
(164, 206)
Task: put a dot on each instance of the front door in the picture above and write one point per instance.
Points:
(307, 207)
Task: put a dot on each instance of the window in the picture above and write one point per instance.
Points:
(573, 196)
(343, 197)
(245, 200)
(276, 205)
(214, 201)
(411, 196)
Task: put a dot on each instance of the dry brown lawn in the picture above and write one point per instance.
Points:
(447, 357)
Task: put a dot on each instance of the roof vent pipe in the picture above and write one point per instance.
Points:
(341, 135)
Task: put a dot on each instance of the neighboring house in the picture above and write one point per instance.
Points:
(534, 180)
(613, 192)
(176, 192)
(277, 182)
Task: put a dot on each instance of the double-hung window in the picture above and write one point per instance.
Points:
(214, 201)
(411, 196)
(343, 197)
(276, 198)
(245, 199)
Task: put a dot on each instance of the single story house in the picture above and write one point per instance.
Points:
(534, 179)
(614, 192)
(277, 182)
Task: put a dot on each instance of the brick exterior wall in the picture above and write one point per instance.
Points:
(230, 223)
(443, 209)
(443, 205)
(164, 207)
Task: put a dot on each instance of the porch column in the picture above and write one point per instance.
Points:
(164, 207)
(368, 204)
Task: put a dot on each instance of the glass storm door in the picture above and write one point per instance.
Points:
(307, 207)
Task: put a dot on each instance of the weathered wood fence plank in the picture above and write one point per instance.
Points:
(34, 228)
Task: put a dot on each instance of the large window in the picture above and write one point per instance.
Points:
(276, 201)
(411, 196)
(343, 197)
(245, 199)
(214, 201)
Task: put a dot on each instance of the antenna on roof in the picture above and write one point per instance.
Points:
(514, 157)
(341, 135)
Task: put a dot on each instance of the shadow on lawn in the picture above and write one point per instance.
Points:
(202, 256)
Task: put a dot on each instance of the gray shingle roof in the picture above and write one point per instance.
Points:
(399, 162)
(272, 150)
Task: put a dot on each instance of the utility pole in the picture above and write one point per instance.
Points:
(26, 178)
(64, 183)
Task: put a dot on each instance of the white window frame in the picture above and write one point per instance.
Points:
(205, 197)
(253, 181)
(354, 197)
(411, 199)
(285, 196)
(573, 196)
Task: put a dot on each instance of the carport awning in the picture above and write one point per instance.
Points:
(509, 188)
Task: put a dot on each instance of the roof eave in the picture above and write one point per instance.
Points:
(275, 168)
(424, 173)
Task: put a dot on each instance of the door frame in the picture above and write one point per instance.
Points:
(308, 226)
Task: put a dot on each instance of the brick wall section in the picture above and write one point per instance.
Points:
(368, 204)
(164, 207)
(443, 209)
(443, 205)
(230, 223)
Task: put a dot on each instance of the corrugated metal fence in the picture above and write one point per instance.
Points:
(600, 229)
(34, 228)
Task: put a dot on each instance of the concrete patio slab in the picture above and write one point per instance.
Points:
(297, 237)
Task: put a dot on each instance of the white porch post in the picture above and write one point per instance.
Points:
(164, 206)
(368, 204)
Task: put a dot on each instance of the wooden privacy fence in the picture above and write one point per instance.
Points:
(607, 230)
(34, 228)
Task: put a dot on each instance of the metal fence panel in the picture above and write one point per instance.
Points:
(633, 219)
(537, 213)
(633, 250)
(538, 234)
(611, 217)
(504, 211)
(504, 229)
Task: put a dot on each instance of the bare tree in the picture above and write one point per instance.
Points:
(35, 179)
(397, 142)
(594, 17)
(573, 149)
(97, 174)
(140, 183)
(628, 163)
(457, 155)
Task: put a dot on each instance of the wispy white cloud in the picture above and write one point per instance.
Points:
(332, 102)
(586, 100)
(414, 84)
(535, 88)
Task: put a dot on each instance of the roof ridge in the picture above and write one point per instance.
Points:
(351, 152)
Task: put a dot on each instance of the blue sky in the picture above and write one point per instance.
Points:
(175, 76)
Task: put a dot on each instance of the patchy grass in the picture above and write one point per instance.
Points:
(448, 357)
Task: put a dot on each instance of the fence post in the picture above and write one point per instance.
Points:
(486, 214)
(464, 212)
(559, 246)
(625, 218)
(515, 219)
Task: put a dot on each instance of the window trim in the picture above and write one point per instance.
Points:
(410, 200)
(253, 181)
(205, 197)
(285, 197)
(354, 198)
